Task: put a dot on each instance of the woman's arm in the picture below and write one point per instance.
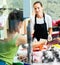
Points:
(49, 28)
(21, 40)
(50, 31)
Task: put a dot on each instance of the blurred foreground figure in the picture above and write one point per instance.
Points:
(9, 47)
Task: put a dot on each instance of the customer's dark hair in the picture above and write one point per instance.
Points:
(38, 2)
(14, 18)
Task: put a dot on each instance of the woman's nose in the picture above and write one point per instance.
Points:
(37, 10)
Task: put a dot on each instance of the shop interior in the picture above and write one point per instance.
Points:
(39, 53)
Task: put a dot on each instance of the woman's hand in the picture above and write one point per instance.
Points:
(49, 38)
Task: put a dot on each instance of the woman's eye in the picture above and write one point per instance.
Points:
(38, 8)
(35, 8)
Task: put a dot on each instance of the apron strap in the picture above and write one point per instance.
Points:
(44, 17)
(35, 18)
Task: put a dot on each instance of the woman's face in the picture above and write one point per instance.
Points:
(38, 9)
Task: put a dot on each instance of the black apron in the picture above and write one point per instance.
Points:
(40, 30)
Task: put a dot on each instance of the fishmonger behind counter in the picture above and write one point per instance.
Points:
(41, 23)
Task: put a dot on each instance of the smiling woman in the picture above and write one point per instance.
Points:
(41, 23)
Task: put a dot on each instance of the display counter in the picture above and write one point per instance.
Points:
(51, 49)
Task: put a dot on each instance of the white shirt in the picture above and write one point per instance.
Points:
(48, 21)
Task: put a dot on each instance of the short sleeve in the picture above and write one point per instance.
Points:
(49, 22)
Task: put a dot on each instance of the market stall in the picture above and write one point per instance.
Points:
(43, 53)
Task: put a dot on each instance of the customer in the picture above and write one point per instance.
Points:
(8, 48)
(41, 23)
